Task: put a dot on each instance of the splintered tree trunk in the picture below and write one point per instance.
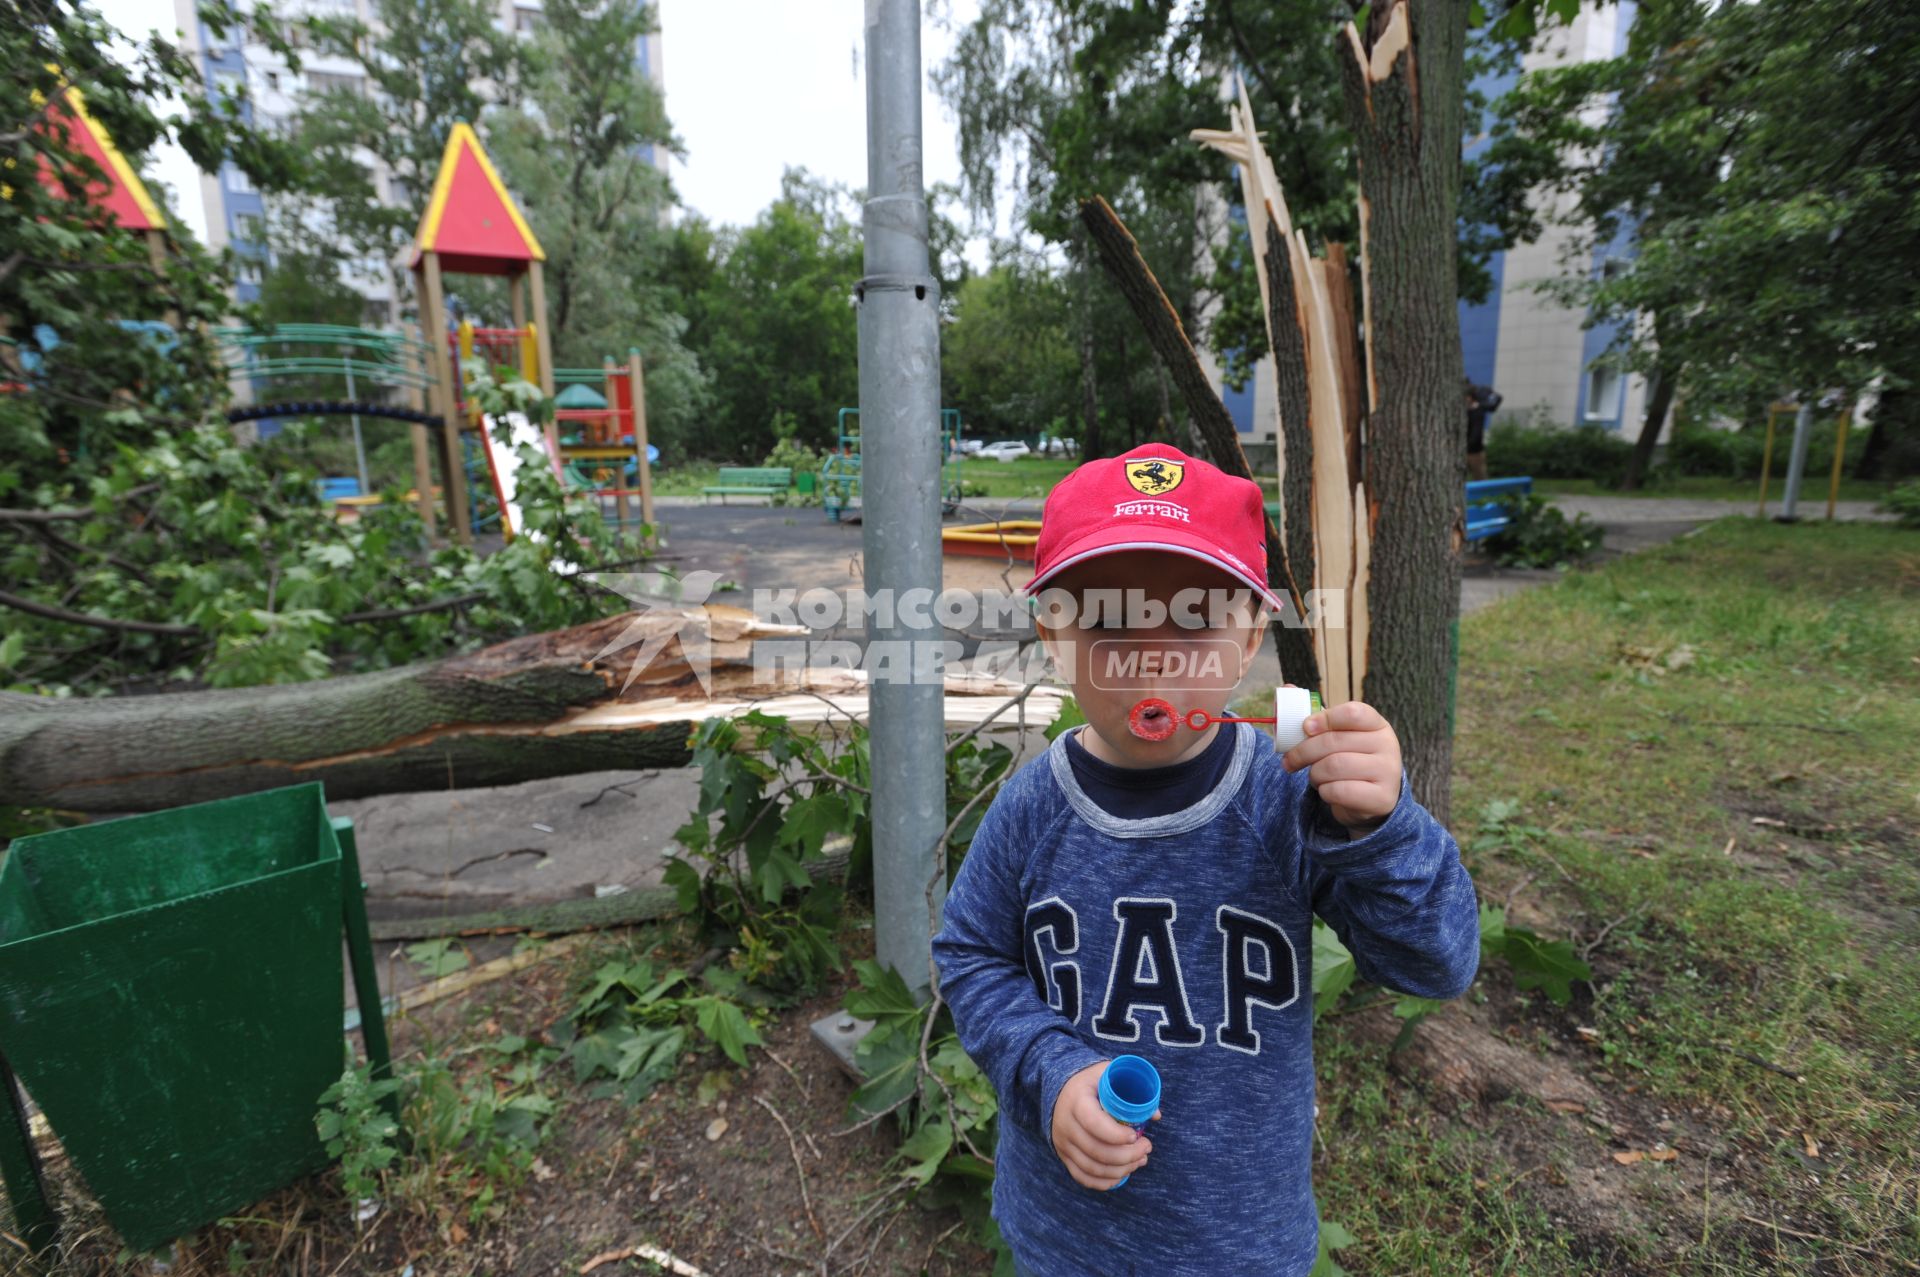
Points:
(1286, 327)
(1404, 82)
(1134, 279)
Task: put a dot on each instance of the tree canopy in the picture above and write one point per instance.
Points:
(1749, 172)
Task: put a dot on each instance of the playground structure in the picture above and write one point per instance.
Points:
(1797, 457)
(122, 198)
(1013, 539)
(840, 472)
(472, 226)
(363, 359)
(598, 442)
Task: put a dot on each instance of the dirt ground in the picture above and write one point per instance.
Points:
(700, 1170)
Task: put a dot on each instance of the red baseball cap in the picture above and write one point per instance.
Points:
(1156, 497)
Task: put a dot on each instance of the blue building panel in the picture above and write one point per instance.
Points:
(1480, 327)
(1480, 321)
(1239, 405)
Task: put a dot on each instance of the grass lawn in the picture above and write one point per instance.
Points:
(1813, 490)
(685, 480)
(1698, 763)
(1025, 477)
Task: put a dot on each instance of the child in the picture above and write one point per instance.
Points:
(1132, 895)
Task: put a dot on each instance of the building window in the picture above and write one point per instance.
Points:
(525, 20)
(250, 270)
(1603, 394)
(331, 82)
(237, 180)
(229, 85)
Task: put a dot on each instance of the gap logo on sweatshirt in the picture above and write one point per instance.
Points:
(1145, 989)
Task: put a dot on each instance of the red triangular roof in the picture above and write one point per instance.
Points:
(471, 221)
(123, 197)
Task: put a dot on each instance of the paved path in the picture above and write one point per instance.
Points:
(435, 855)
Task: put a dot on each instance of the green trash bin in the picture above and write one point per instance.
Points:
(170, 995)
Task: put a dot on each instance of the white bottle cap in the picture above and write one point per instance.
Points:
(1292, 706)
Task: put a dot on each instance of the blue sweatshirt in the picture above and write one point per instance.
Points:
(1072, 936)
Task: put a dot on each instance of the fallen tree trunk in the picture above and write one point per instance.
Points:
(544, 705)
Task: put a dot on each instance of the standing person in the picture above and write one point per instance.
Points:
(1149, 888)
(1481, 400)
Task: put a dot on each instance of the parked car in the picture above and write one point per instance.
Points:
(969, 447)
(1005, 450)
(1059, 446)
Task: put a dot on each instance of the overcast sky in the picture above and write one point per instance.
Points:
(753, 87)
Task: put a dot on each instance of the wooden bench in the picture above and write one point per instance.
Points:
(750, 481)
(1487, 504)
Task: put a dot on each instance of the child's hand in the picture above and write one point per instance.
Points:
(1099, 1152)
(1353, 761)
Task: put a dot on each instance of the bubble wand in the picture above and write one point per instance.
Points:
(1156, 719)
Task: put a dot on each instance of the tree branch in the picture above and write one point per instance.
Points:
(52, 613)
(42, 516)
(395, 613)
(1120, 254)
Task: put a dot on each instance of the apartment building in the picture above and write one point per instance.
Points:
(274, 93)
(1549, 367)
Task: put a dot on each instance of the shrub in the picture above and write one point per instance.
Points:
(1540, 536)
(797, 457)
(1736, 454)
(1553, 452)
(1732, 454)
(1904, 503)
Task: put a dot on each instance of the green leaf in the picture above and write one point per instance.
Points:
(811, 819)
(1548, 965)
(1413, 1008)
(437, 958)
(12, 648)
(892, 1071)
(1333, 968)
(1332, 1238)
(778, 872)
(1493, 927)
(881, 996)
(1411, 1011)
(725, 1024)
(924, 1150)
(1068, 718)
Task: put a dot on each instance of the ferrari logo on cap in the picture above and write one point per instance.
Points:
(1154, 476)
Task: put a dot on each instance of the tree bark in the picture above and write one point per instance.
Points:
(542, 705)
(1892, 419)
(1089, 370)
(1462, 1062)
(1404, 85)
(1659, 399)
(502, 714)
